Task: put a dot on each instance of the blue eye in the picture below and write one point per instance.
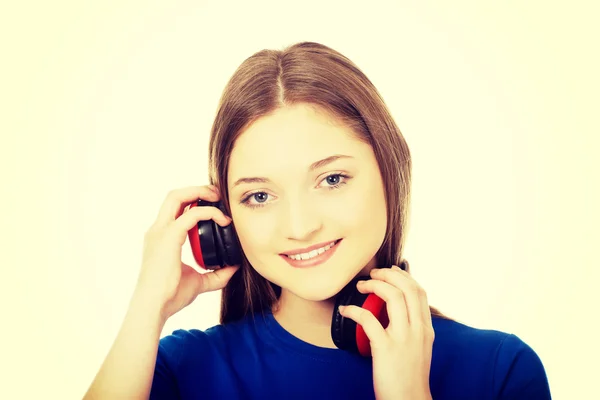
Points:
(336, 184)
(259, 194)
(333, 180)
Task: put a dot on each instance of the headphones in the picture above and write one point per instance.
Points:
(216, 246)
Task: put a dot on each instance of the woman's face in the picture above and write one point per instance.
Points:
(293, 206)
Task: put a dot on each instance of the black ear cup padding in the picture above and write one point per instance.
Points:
(219, 244)
(207, 243)
(404, 265)
(343, 330)
(230, 247)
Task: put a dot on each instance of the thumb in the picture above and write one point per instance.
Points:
(215, 280)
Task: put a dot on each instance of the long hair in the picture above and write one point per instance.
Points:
(316, 75)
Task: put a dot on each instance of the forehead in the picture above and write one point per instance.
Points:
(293, 136)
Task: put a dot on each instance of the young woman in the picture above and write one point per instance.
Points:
(310, 165)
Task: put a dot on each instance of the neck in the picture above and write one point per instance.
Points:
(309, 321)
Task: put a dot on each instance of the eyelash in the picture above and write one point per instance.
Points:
(336, 186)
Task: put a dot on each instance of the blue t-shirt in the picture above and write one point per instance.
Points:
(258, 359)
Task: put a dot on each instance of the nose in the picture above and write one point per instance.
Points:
(300, 220)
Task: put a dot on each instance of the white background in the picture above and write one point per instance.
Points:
(106, 106)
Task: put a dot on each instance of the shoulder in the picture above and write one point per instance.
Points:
(519, 371)
(511, 367)
(185, 354)
(192, 346)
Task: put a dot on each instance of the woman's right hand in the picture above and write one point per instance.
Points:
(170, 283)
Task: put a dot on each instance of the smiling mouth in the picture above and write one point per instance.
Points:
(314, 253)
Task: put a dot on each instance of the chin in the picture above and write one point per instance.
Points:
(313, 292)
(320, 287)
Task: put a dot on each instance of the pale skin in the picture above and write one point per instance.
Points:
(165, 286)
(301, 210)
(402, 351)
(296, 209)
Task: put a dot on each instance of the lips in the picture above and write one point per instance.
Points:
(309, 249)
(317, 260)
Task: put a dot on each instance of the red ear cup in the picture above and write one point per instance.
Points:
(213, 245)
(376, 305)
(194, 238)
(347, 334)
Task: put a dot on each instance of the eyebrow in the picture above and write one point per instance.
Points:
(312, 167)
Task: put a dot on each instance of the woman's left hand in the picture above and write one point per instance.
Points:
(402, 351)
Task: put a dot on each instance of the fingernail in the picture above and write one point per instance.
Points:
(341, 308)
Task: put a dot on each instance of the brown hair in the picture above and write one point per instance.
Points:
(316, 75)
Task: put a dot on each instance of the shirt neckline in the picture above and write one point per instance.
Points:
(280, 335)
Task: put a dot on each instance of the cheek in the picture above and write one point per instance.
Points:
(366, 217)
(255, 234)
(364, 208)
(366, 221)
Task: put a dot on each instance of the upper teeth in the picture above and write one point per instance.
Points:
(311, 254)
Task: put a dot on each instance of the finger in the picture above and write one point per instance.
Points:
(178, 199)
(365, 318)
(191, 281)
(424, 302)
(194, 283)
(393, 297)
(187, 205)
(414, 295)
(190, 219)
(218, 279)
